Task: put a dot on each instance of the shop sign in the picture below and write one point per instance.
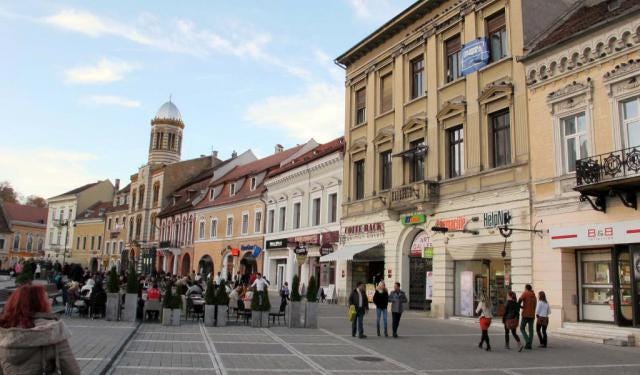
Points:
(414, 219)
(595, 234)
(372, 230)
(421, 242)
(496, 218)
(427, 253)
(277, 244)
(246, 247)
(308, 239)
(453, 224)
(300, 250)
(256, 251)
(473, 56)
(235, 252)
(329, 237)
(326, 249)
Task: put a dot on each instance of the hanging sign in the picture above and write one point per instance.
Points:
(473, 56)
(422, 241)
(300, 250)
(326, 249)
(413, 219)
(235, 252)
(256, 251)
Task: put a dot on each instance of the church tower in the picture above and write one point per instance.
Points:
(165, 144)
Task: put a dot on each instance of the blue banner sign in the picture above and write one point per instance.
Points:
(256, 251)
(474, 55)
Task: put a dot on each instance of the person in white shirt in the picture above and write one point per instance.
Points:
(261, 284)
(542, 314)
(485, 320)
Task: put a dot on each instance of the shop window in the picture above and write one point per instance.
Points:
(575, 140)
(258, 222)
(296, 215)
(497, 33)
(270, 221)
(500, 138)
(385, 170)
(358, 167)
(333, 207)
(455, 137)
(315, 220)
(452, 51)
(245, 223)
(631, 121)
(386, 93)
(417, 77)
(361, 106)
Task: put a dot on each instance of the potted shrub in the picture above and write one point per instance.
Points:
(131, 296)
(295, 307)
(311, 308)
(181, 290)
(222, 304)
(210, 305)
(113, 296)
(166, 305)
(176, 305)
(260, 308)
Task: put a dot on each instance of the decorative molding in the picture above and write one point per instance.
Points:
(495, 90)
(414, 123)
(622, 70)
(384, 135)
(452, 107)
(358, 145)
(575, 94)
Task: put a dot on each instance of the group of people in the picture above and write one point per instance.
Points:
(359, 304)
(531, 309)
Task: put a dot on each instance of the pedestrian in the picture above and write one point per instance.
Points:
(381, 300)
(527, 303)
(358, 298)
(284, 291)
(542, 314)
(510, 320)
(38, 271)
(485, 321)
(397, 298)
(32, 340)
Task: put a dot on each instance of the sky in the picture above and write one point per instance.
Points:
(81, 80)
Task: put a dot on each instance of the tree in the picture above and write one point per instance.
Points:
(8, 193)
(295, 289)
(113, 286)
(312, 290)
(36, 201)
(210, 293)
(132, 280)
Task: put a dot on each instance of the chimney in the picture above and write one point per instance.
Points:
(116, 189)
(234, 154)
(214, 153)
(279, 148)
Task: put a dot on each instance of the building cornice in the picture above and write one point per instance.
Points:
(305, 169)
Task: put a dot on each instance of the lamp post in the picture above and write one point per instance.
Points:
(64, 223)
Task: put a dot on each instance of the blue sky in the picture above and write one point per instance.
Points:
(82, 79)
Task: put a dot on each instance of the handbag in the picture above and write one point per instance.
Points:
(351, 313)
(511, 323)
(543, 321)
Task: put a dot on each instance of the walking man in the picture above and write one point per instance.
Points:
(358, 298)
(527, 303)
(397, 298)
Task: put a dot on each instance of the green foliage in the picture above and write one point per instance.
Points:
(260, 301)
(222, 298)
(312, 290)
(168, 297)
(210, 293)
(26, 277)
(112, 284)
(132, 280)
(295, 289)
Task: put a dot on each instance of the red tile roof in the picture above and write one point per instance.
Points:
(316, 153)
(22, 212)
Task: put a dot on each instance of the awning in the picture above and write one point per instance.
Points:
(350, 251)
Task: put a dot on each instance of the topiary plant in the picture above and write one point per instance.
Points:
(312, 290)
(210, 293)
(112, 284)
(132, 280)
(222, 298)
(168, 297)
(175, 301)
(295, 289)
(260, 301)
(25, 277)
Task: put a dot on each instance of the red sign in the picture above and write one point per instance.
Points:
(453, 224)
(235, 252)
(313, 239)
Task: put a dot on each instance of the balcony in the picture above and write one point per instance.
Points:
(608, 175)
(411, 196)
(171, 244)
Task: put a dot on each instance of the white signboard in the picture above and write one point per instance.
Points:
(429, 285)
(330, 292)
(595, 234)
(466, 293)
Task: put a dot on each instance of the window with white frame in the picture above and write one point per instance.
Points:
(332, 216)
(214, 228)
(257, 224)
(296, 215)
(270, 221)
(315, 212)
(201, 230)
(575, 140)
(211, 194)
(229, 226)
(282, 219)
(16, 241)
(245, 223)
(630, 112)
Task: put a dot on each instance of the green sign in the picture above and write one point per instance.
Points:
(427, 252)
(414, 219)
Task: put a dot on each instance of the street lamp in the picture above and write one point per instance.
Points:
(64, 223)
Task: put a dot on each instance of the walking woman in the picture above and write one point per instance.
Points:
(485, 321)
(32, 340)
(381, 300)
(510, 320)
(542, 314)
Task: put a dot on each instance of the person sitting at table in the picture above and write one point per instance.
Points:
(234, 296)
(248, 296)
(153, 293)
(194, 289)
(85, 291)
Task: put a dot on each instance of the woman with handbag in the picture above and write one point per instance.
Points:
(510, 320)
(485, 321)
(542, 314)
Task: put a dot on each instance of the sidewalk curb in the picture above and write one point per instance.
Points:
(108, 367)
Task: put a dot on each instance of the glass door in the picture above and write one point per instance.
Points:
(623, 297)
(596, 285)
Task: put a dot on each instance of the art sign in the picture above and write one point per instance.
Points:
(421, 242)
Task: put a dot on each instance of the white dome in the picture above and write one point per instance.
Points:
(169, 111)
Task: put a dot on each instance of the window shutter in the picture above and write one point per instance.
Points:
(453, 45)
(495, 23)
(386, 93)
(361, 98)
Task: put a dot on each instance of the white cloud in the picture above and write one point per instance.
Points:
(376, 10)
(114, 100)
(316, 112)
(177, 36)
(105, 71)
(45, 172)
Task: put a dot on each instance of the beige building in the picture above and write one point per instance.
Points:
(584, 116)
(22, 233)
(436, 135)
(115, 229)
(87, 248)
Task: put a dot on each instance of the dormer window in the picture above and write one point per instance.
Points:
(232, 189)
(211, 194)
(253, 183)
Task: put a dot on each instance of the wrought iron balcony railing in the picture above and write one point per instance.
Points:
(610, 166)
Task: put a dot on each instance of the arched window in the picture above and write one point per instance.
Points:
(152, 232)
(130, 228)
(16, 241)
(214, 228)
(201, 231)
(133, 200)
(141, 196)
(29, 242)
(40, 243)
(156, 193)
(138, 226)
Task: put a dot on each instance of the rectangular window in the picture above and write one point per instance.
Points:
(270, 221)
(456, 151)
(296, 215)
(385, 170)
(333, 208)
(201, 230)
(257, 225)
(107, 247)
(53, 214)
(358, 174)
(1, 243)
(99, 242)
(417, 80)
(70, 214)
(61, 217)
(232, 189)
(361, 106)
(211, 193)
(229, 226)
(575, 144)
(214, 228)
(245, 223)
(315, 220)
(109, 224)
(93, 240)
(386, 93)
(120, 247)
(631, 122)
(282, 218)
(452, 51)
(416, 160)
(497, 33)
(84, 243)
(77, 242)
(500, 138)
(253, 183)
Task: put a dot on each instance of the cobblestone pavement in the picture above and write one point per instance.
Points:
(426, 346)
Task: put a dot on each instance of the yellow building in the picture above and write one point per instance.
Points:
(436, 136)
(86, 249)
(22, 233)
(115, 229)
(584, 116)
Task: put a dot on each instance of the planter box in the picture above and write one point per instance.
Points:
(166, 317)
(130, 307)
(175, 316)
(311, 315)
(184, 305)
(296, 315)
(260, 319)
(113, 307)
(209, 315)
(221, 318)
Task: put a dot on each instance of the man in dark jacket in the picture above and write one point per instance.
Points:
(397, 298)
(358, 298)
(528, 303)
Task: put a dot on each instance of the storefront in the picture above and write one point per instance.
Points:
(420, 259)
(608, 269)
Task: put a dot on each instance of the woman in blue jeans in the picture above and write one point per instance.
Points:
(381, 300)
